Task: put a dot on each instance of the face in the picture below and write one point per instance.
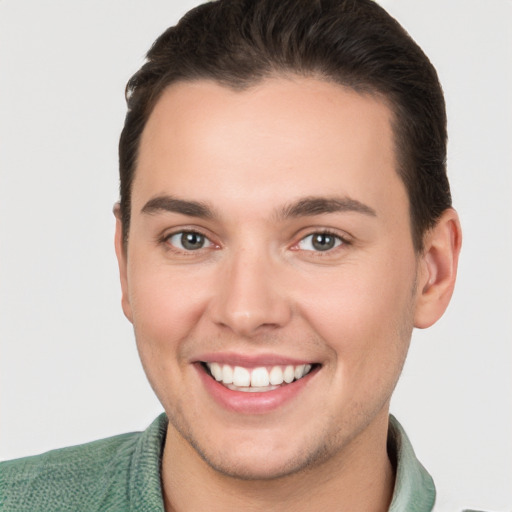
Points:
(270, 272)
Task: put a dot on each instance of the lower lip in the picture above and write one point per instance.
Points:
(252, 402)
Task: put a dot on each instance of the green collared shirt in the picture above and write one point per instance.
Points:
(122, 473)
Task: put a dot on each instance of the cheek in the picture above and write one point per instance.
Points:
(364, 312)
(166, 303)
(166, 306)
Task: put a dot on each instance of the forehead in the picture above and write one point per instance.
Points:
(278, 139)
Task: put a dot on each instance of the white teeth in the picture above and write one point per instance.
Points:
(227, 374)
(216, 371)
(241, 376)
(258, 379)
(276, 376)
(289, 374)
(299, 371)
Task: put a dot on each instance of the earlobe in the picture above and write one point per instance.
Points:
(121, 254)
(438, 269)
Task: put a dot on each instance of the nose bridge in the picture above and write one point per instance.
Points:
(248, 298)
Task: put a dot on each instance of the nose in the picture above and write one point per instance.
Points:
(250, 298)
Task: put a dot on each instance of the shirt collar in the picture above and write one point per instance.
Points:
(145, 488)
(414, 488)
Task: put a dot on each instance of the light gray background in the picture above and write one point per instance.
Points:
(69, 370)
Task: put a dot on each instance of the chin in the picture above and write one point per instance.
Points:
(261, 468)
(258, 458)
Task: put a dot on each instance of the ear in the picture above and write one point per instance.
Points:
(438, 269)
(122, 257)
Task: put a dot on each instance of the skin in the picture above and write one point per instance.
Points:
(258, 286)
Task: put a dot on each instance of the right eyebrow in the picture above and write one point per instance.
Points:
(174, 205)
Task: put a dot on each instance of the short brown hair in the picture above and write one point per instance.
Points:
(355, 43)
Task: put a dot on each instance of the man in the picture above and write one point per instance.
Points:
(285, 221)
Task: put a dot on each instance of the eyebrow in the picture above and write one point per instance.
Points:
(306, 207)
(175, 205)
(310, 206)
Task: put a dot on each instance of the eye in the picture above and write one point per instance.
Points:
(320, 242)
(188, 241)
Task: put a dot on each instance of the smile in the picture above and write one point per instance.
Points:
(255, 385)
(259, 379)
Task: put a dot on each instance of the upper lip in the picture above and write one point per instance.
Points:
(251, 361)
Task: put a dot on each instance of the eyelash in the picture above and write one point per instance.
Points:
(340, 241)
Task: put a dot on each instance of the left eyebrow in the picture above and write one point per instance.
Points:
(310, 206)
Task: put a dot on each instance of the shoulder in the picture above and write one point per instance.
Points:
(92, 476)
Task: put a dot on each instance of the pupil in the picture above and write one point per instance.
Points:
(192, 241)
(323, 242)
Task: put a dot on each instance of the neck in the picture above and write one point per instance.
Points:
(358, 478)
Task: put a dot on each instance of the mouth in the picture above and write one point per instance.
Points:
(259, 379)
